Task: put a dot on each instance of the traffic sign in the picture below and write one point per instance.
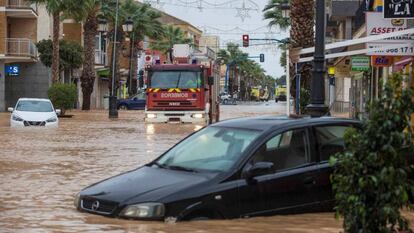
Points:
(401, 9)
(360, 63)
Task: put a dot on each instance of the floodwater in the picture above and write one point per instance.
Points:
(42, 169)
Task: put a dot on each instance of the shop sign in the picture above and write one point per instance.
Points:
(394, 46)
(360, 63)
(382, 61)
(399, 9)
(12, 70)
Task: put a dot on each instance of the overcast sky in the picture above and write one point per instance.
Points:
(224, 22)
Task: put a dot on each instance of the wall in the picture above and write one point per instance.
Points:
(2, 87)
(33, 81)
(44, 24)
(3, 32)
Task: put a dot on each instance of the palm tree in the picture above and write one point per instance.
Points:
(87, 11)
(301, 30)
(54, 8)
(146, 24)
(233, 57)
(171, 36)
(274, 14)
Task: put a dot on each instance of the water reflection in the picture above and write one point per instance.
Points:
(41, 170)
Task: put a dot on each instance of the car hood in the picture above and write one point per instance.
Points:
(35, 116)
(146, 184)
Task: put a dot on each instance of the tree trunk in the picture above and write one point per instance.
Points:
(55, 45)
(87, 78)
(302, 35)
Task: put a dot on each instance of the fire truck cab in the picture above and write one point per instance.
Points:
(181, 92)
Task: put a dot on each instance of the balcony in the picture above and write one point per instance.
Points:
(100, 57)
(20, 49)
(21, 9)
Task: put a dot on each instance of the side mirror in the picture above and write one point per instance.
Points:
(10, 109)
(258, 169)
(135, 99)
(58, 111)
(211, 80)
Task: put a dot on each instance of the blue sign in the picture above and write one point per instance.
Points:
(12, 70)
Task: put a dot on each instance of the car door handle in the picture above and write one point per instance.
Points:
(309, 181)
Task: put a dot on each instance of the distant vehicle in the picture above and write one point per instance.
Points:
(280, 93)
(232, 169)
(226, 98)
(136, 102)
(34, 112)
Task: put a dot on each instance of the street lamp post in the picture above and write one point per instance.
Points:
(317, 106)
(113, 109)
(128, 26)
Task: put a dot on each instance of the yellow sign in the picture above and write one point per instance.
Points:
(331, 70)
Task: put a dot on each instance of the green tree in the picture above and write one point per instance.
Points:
(301, 22)
(371, 180)
(87, 12)
(70, 54)
(146, 24)
(55, 8)
(63, 96)
(172, 35)
(273, 13)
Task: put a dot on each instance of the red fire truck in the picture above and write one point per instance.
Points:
(184, 92)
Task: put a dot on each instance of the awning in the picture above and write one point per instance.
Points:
(399, 65)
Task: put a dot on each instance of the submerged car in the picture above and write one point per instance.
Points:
(34, 112)
(137, 102)
(232, 169)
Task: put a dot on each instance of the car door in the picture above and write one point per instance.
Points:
(290, 186)
(329, 141)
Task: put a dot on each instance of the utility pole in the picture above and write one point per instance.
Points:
(113, 110)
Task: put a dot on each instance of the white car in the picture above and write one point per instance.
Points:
(34, 112)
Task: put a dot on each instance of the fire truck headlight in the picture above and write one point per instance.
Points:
(198, 115)
(151, 115)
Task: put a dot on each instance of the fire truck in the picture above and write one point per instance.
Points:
(185, 91)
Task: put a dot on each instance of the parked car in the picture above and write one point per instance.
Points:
(232, 169)
(136, 102)
(34, 112)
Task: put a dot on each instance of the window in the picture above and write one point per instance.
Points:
(211, 149)
(287, 150)
(176, 79)
(330, 140)
(34, 106)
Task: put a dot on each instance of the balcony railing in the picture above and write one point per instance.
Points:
(100, 57)
(21, 47)
(21, 4)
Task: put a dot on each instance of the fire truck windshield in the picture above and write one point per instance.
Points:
(176, 79)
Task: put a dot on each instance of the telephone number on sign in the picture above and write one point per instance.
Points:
(401, 50)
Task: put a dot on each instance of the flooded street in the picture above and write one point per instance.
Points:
(42, 169)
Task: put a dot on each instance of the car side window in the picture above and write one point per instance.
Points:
(141, 96)
(330, 140)
(286, 150)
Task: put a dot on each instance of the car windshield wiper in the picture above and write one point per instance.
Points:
(179, 168)
(160, 165)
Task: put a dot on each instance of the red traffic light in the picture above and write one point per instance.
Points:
(246, 40)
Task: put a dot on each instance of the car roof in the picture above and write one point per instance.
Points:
(264, 123)
(36, 99)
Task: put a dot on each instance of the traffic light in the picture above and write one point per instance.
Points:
(141, 78)
(261, 57)
(245, 40)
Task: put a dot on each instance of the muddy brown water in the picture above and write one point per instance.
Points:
(42, 169)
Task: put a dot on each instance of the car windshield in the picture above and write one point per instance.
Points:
(34, 106)
(214, 149)
(176, 79)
